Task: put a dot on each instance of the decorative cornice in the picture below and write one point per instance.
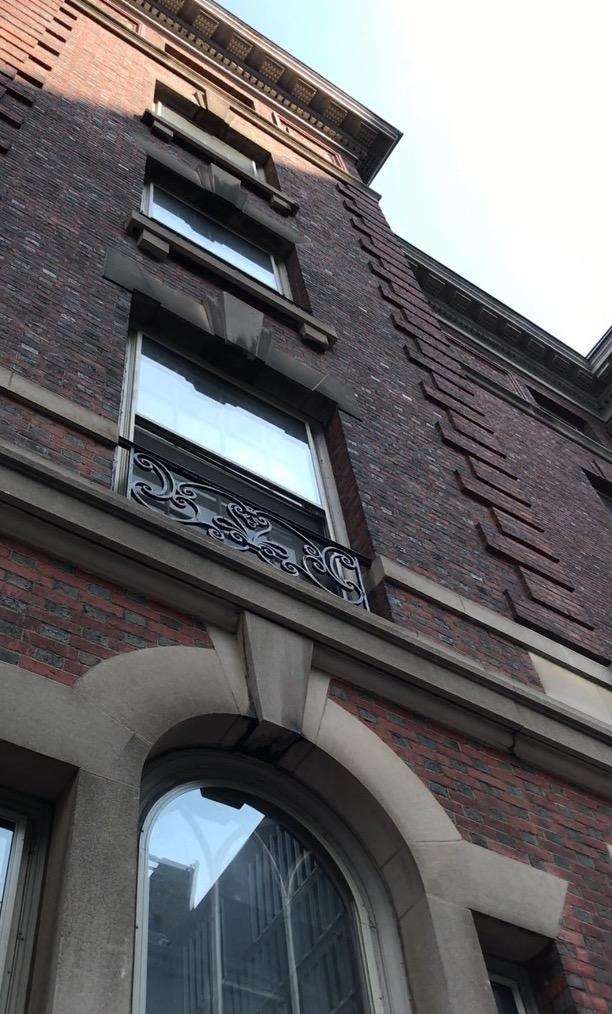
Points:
(588, 379)
(267, 69)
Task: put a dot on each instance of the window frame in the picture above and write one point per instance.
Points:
(363, 929)
(509, 974)
(330, 502)
(24, 889)
(160, 108)
(279, 267)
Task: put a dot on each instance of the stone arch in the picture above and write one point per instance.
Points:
(131, 707)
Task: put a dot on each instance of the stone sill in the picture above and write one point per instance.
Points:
(158, 242)
(165, 131)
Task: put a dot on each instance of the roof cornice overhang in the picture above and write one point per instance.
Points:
(267, 69)
(512, 335)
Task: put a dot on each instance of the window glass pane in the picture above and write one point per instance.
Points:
(7, 831)
(194, 226)
(243, 919)
(504, 998)
(208, 411)
(215, 143)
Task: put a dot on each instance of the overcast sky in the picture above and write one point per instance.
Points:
(504, 170)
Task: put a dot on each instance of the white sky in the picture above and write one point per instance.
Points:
(503, 173)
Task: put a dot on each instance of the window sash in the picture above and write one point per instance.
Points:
(515, 986)
(207, 411)
(217, 239)
(208, 140)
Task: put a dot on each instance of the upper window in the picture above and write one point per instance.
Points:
(205, 232)
(559, 411)
(240, 915)
(602, 487)
(208, 140)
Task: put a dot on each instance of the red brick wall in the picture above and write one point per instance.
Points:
(501, 804)
(58, 621)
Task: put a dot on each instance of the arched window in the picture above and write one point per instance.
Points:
(241, 914)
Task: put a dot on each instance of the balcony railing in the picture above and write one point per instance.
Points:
(191, 500)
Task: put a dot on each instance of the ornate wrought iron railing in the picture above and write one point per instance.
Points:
(192, 500)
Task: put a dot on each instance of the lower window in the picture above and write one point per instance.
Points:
(240, 915)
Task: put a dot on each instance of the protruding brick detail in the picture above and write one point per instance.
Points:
(433, 393)
(492, 497)
(518, 553)
(517, 537)
(31, 37)
(557, 599)
(524, 533)
(564, 630)
(450, 435)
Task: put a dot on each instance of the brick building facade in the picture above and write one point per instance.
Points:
(294, 522)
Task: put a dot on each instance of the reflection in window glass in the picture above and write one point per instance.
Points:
(204, 409)
(210, 140)
(215, 238)
(7, 831)
(242, 919)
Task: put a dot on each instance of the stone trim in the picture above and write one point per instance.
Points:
(89, 8)
(384, 569)
(403, 859)
(219, 327)
(168, 132)
(274, 302)
(225, 187)
(309, 97)
(19, 388)
(148, 554)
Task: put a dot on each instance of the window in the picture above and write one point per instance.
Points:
(208, 140)
(240, 914)
(507, 997)
(511, 987)
(212, 414)
(22, 837)
(603, 488)
(205, 232)
(559, 411)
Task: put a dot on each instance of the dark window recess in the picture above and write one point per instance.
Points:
(559, 411)
(199, 68)
(602, 487)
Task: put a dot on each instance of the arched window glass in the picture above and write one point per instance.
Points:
(241, 916)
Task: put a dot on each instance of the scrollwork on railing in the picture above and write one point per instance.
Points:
(190, 500)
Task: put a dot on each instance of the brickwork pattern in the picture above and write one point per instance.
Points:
(58, 621)
(31, 38)
(471, 433)
(501, 804)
